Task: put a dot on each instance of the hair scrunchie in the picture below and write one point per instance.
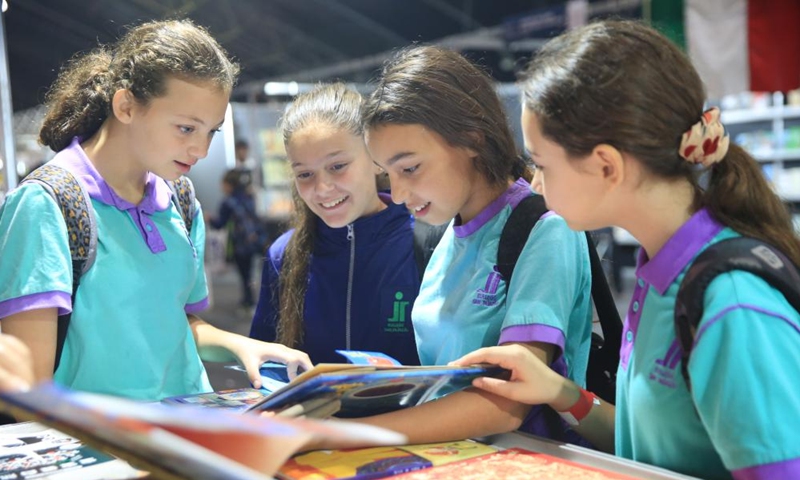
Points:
(706, 143)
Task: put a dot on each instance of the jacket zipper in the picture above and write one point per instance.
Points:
(351, 236)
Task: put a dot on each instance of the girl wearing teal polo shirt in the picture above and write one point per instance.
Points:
(614, 121)
(123, 121)
(436, 125)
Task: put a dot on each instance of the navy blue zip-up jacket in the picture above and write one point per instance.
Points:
(368, 265)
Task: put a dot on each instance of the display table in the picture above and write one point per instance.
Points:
(31, 450)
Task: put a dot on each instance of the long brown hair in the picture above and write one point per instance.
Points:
(339, 107)
(443, 91)
(624, 84)
(141, 61)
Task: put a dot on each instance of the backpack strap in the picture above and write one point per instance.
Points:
(604, 359)
(740, 253)
(183, 197)
(601, 372)
(76, 207)
(515, 234)
(426, 237)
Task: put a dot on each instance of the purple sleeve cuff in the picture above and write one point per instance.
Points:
(196, 307)
(36, 301)
(533, 333)
(785, 469)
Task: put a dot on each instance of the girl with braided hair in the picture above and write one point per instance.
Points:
(124, 120)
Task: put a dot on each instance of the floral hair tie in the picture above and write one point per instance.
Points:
(706, 143)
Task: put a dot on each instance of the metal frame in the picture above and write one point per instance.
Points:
(7, 156)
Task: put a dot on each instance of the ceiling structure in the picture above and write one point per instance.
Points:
(303, 40)
(289, 40)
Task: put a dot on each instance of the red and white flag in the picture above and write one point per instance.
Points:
(744, 45)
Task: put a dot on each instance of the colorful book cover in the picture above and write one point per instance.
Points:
(514, 464)
(372, 383)
(371, 390)
(379, 462)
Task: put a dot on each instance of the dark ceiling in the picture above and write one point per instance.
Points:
(304, 40)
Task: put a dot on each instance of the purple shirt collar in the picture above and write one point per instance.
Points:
(680, 249)
(157, 194)
(515, 194)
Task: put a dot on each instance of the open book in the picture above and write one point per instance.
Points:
(176, 443)
(374, 383)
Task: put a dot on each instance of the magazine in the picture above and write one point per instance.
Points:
(174, 442)
(372, 383)
(378, 462)
(376, 384)
(514, 464)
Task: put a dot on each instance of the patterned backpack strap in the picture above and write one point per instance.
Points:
(76, 207)
(183, 197)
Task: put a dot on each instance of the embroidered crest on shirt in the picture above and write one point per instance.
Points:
(664, 369)
(487, 296)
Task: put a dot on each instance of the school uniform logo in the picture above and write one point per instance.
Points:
(399, 321)
(663, 371)
(487, 296)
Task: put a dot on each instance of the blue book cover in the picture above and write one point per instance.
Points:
(374, 383)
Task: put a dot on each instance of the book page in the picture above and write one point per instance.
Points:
(31, 450)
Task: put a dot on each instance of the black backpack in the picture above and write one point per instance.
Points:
(740, 253)
(76, 207)
(601, 371)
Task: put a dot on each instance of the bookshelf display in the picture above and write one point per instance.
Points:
(772, 135)
(277, 204)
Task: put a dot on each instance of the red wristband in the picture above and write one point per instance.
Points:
(581, 408)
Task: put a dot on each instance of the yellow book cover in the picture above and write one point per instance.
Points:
(378, 462)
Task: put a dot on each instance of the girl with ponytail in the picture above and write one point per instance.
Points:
(613, 115)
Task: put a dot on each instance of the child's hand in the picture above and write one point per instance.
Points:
(253, 353)
(531, 381)
(16, 364)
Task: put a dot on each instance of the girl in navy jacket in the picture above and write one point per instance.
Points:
(344, 276)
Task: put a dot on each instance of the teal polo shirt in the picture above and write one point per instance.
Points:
(129, 335)
(465, 304)
(741, 418)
